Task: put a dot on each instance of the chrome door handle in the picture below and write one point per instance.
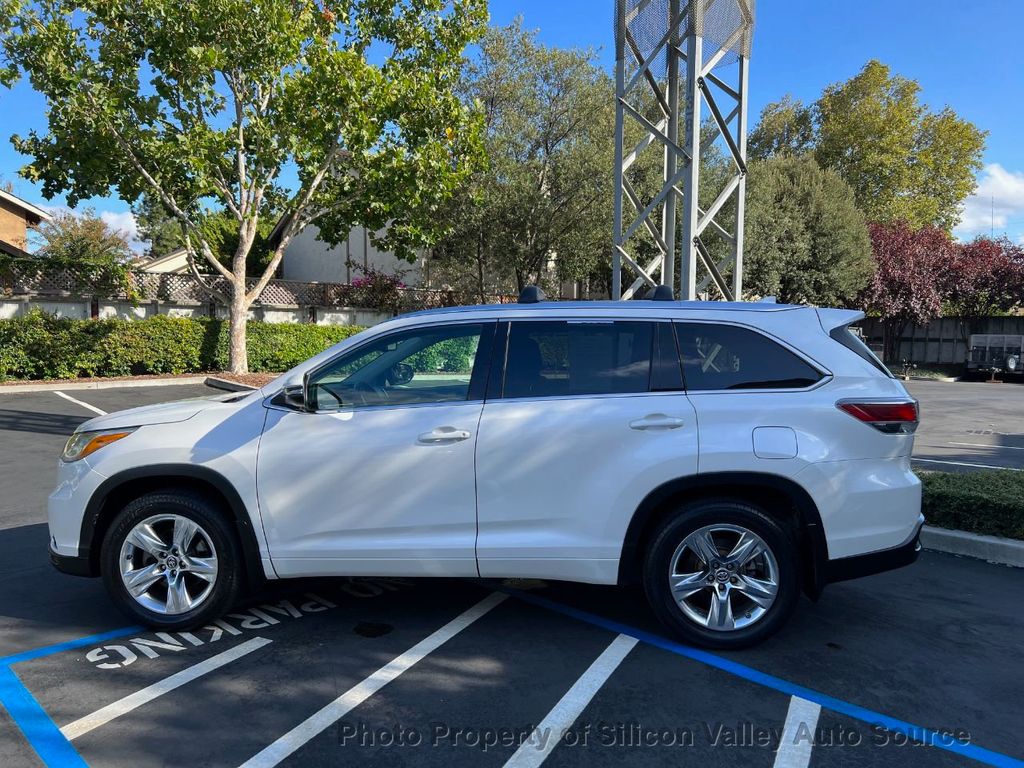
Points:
(441, 435)
(657, 421)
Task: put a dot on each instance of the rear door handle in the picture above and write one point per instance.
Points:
(441, 435)
(657, 421)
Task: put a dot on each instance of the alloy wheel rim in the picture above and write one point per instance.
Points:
(723, 577)
(168, 564)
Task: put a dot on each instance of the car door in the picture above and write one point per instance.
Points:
(588, 417)
(377, 479)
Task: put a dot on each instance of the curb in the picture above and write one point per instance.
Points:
(12, 389)
(993, 549)
(230, 386)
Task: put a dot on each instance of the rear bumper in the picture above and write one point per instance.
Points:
(845, 568)
(76, 565)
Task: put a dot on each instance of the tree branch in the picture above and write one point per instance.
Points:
(296, 221)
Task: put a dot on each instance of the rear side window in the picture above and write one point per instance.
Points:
(559, 358)
(845, 336)
(717, 357)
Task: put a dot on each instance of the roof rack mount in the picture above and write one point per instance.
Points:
(531, 294)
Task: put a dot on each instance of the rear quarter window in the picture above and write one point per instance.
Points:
(728, 357)
(846, 336)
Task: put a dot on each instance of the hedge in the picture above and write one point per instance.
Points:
(991, 503)
(41, 346)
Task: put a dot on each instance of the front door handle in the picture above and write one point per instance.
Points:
(442, 435)
(657, 421)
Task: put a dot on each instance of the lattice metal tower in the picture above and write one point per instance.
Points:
(673, 58)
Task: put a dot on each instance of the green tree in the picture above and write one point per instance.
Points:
(805, 239)
(903, 162)
(220, 229)
(786, 127)
(260, 108)
(546, 195)
(84, 244)
(162, 230)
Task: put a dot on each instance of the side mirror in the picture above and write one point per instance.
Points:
(294, 393)
(400, 373)
(295, 396)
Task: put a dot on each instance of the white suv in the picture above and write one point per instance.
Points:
(726, 456)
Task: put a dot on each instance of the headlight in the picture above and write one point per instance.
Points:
(81, 444)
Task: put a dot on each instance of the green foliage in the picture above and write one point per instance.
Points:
(220, 231)
(990, 503)
(805, 239)
(275, 110)
(786, 127)
(280, 346)
(156, 226)
(903, 161)
(84, 244)
(549, 121)
(449, 356)
(41, 346)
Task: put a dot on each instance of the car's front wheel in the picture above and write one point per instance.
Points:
(722, 574)
(170, 560)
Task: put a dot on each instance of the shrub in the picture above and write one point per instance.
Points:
(991, 503)
(280, 346)
(41, 346)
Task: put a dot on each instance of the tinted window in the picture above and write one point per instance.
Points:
(729, 357)
(845, 336)
(426, 365)
(557, 358)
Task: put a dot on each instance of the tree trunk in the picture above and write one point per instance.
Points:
(238, 314)
(892, 333)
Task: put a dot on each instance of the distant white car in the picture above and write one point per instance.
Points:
(724, 455)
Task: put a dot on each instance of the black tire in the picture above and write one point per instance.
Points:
(221, 536)
(692, 517)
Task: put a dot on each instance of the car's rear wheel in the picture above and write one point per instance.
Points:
(171, 560)
(722, 574)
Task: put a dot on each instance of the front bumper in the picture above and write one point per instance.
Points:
(76, 565)
(845, 568)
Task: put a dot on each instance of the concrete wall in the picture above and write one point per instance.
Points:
(81, 309)
(310, 260)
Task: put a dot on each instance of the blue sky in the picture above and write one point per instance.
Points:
(964, 55)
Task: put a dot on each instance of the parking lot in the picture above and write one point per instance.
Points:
(967, 426)
(921, 666)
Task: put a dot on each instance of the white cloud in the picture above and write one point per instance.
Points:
(123, 222)
(998, 199)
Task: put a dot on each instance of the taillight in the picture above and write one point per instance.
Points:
(894, 418)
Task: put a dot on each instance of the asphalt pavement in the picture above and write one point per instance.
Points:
(461, 672)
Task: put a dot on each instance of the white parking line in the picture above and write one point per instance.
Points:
(539, 745)
(965, 464)
(797, 738)
(356, 695)
(135, 700)
(92, 408)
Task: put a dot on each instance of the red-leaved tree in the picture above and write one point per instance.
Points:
(910, 281)
(984, 278)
